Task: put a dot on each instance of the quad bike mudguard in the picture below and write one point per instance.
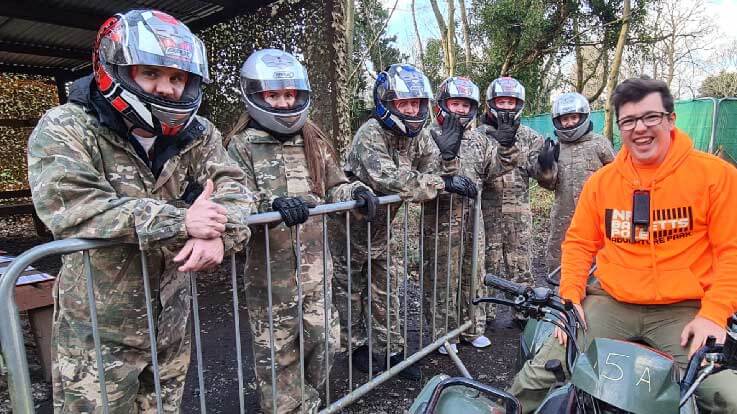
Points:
(453, 399)
(629, 376)
(532, 339)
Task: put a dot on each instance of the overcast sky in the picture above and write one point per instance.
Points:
(724, 13)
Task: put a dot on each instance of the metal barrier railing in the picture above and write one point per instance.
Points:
(11, 335)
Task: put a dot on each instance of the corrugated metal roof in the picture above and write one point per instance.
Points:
(55, 37)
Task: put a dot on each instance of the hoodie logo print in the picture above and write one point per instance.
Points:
(666, 224)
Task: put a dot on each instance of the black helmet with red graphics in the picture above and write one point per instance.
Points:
(151, 38)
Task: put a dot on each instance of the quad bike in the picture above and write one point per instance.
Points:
(611, 376)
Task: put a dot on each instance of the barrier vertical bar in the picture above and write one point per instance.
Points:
(451, 216)
(350, 296)
(300, 313)
(326, 304)
(198, 342)
(151, 332)
(435, 269)
(475, 248)
(461, 250)
(237, 321)
(406, 219)
(422, 270)
(269, 311)
(95, 330)
(388, 286)
(370, 290)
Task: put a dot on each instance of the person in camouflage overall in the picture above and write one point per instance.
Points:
(582, 153)
(391, 156)
(290, 165)
(506, 199)
(125, 160)
(481, 160)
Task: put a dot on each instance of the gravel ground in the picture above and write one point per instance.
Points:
(493, 365)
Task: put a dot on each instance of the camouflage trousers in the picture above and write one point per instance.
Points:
(508, 246)
(559, 222)
(382, 306)
(446, 266)
(285, 316)
(129, 375)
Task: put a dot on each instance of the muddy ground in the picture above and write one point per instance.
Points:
(493, 365)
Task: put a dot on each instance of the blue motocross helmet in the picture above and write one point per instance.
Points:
(397, 82)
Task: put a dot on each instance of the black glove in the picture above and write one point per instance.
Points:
(460, 184)
(293, 210)
(449, 139)
(549, 154)
(506, 130)
(367, 202)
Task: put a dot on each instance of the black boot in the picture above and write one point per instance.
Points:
(411, 373)
(360, 358)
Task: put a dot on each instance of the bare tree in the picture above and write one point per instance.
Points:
(614, 72)
(466, 38)
(419, 39)
(447, 34)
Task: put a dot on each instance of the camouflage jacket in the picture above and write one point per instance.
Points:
(577, 162)
(513, 189)
(390, 164)
(274, 169)
(88, 181)
(481, 159)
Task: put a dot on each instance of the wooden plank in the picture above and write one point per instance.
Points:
(41, 320)
(9, 195)
(16, 209)
(37, 295)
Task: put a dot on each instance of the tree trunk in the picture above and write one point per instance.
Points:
(614, 73)
(419, 39)
(466, 39)
(443, 32)
(579, 60)
(349, 23)
(451, 38)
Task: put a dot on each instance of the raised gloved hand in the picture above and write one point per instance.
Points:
(460, 184)
(549, 154)
(506, 130)
(449, 139)
(293, 210)
(367, 202)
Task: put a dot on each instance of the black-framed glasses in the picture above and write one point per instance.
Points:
(650, 119)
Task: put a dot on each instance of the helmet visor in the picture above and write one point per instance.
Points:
(251, 86)
(155, 39)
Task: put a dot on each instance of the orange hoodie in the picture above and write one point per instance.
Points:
(690, 248)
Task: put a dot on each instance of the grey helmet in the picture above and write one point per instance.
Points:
(505, 86)
(268, 70)
(571, 103)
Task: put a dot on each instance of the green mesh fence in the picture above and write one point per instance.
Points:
(726, 139)
(695, 117)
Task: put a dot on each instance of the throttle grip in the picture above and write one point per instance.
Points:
(504, 285)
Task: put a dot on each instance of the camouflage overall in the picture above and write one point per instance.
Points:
(481, 160)
(388, 164)
(507, 215)
(89, 182)
(578, 161)
(276, 169)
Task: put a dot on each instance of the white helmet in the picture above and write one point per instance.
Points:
(269, 70)
(571, 103)
(505, 86)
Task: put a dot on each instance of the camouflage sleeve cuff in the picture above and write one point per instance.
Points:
(450, 167)
(161, 223)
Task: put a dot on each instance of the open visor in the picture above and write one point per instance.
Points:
(407, 85)
(156, 39)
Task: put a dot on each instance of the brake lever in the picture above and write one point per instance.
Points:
(498, 301)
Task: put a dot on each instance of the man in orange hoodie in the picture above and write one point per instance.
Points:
(660, 222)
